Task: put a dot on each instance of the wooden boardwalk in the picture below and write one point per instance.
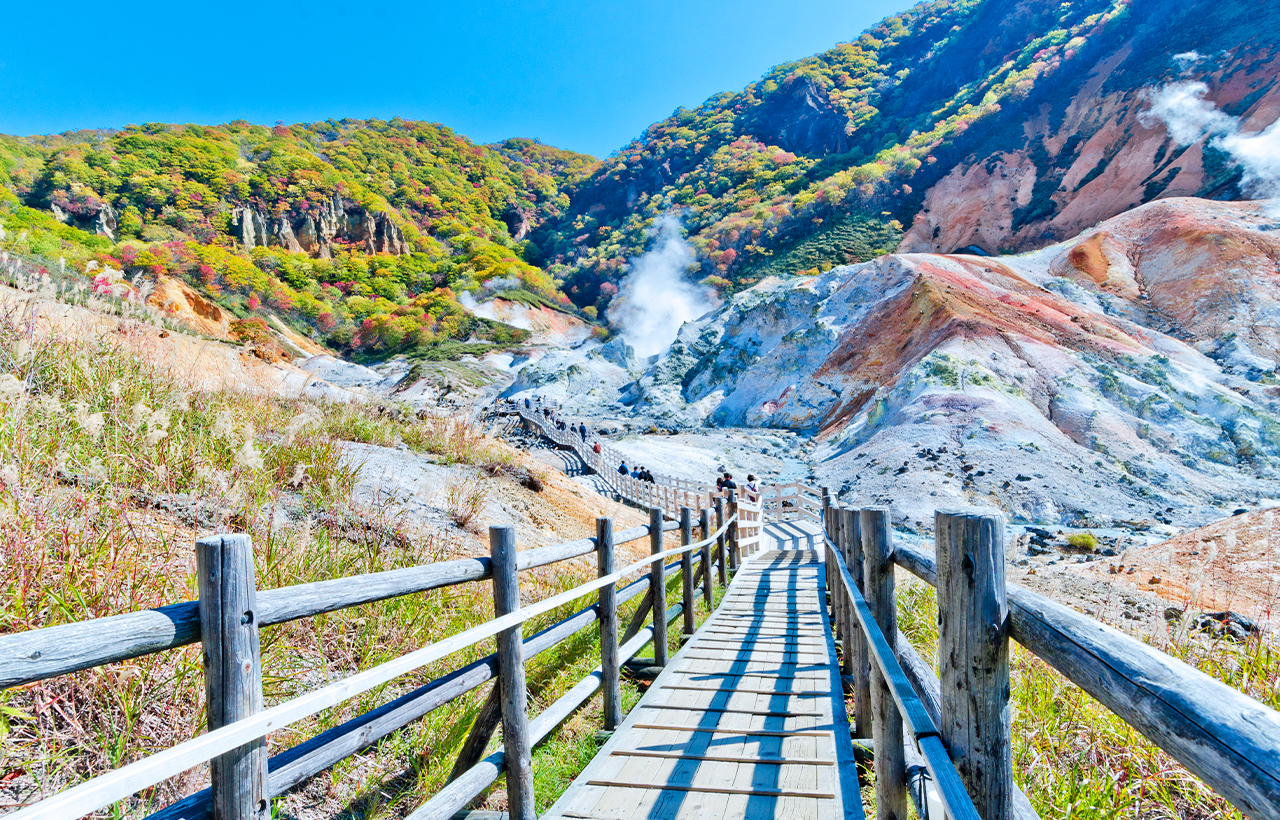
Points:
(747, 720)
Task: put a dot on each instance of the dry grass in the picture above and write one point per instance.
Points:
(109, 469)
(1076, 759)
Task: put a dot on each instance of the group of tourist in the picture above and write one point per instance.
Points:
(639, 473)
(560, 424)
(724, 482)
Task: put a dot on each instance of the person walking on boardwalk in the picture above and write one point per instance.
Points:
(582, 431)
(752, 488)
(622, 469)
(595, 448)
(729, 483)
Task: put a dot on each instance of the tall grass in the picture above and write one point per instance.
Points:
(110, 467)
(1073, 757)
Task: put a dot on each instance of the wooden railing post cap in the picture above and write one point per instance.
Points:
(969, 512)
(223, 538)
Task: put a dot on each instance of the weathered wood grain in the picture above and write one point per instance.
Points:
(658, 589)
(861, 661)
(890, 765)
(721, 540)
(515, 702)
(610, 665)
(704, 534)
(232, 671)
(973, 656)
(686, 569)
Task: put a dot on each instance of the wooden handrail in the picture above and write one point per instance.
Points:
(106, 789)
(954, 797)
(37, 654)
(1227, 739)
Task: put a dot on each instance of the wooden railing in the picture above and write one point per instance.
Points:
(1226, 738)
(792, 502)
(231, 611)
(668, 493)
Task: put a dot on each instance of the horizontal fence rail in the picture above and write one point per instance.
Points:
(26, 657)
(916, 720)
(43, 653)
(1227, 739)
(667, 493)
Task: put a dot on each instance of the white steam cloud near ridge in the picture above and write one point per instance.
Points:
(519, 314)
(655, 299)
(1189, 117)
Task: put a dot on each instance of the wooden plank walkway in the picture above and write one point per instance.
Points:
(747, 720)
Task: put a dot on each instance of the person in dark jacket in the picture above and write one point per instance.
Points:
(729, 483)
(582, 431)
(622, 469)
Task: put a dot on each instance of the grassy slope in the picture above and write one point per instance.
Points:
(860, 132)
(111, 465)
(1073, 757)
(174, 190)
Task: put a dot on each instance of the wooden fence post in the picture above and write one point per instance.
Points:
(611, 685)
(886, 720)
(837, 589)
(658, 589)
(232, 670)
(973, 652)
(859, 655)
(840, 534)
(720, 542)
(515, 702)
(733, 532)
(704, 535)
(686, 569)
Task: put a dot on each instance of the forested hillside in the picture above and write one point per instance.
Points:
(1001, 125)
(363, 232)
(831, 158)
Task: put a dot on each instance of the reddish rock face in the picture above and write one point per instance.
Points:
(1101, 158)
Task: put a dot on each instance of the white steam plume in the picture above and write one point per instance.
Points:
(1190, 117)
(655, 299)
(517, 315)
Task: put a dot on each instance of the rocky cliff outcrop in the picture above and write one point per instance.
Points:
(801, 118)
(100, 221)
(1099, 156)
(1128, 375)
(339, 220)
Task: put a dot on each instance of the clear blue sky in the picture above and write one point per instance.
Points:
(587, 76)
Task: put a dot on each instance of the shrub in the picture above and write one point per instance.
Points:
(1083, 541)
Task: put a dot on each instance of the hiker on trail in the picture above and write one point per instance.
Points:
(719, 483)
(752, 487)
(595, 448)
(729, 483)
(526, 402)
(622, 469)
(582, 431)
